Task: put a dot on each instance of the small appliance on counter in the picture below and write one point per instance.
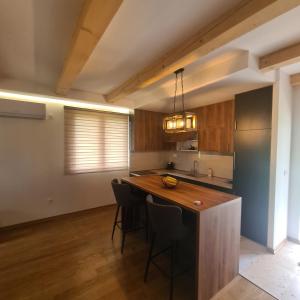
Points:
(170, 165)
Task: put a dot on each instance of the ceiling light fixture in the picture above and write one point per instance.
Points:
(181, 121)
(11, 95)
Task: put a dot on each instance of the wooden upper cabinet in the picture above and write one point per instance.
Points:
(215, 127)
(147, 132)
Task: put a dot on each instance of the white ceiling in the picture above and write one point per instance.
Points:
(140, 32)
(276, 34)
(292, 69)
(197, 78)
(35, 35)
(222, 90)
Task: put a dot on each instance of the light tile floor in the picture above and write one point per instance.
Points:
(277, 274)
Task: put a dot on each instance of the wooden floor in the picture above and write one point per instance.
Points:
(73, 257)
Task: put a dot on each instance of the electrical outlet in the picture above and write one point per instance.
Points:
(50, 200)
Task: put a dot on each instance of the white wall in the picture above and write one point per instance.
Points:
(280, 160)
(294, 201)
(32, 180)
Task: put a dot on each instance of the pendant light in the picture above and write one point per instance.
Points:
(181, 121)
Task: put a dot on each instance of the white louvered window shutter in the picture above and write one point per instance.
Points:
(95, 141)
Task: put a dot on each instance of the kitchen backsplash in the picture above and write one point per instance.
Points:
(222, 166)
(148, 160)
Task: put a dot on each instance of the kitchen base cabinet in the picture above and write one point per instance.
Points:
(215, 235)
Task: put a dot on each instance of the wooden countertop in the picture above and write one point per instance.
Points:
(184, 194)
(217, 181)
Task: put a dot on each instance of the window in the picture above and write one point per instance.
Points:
(95, 141)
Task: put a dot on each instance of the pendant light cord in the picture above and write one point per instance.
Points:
(182, 94)
(175, 93)
(182, 91)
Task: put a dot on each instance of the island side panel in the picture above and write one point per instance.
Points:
(218, 245)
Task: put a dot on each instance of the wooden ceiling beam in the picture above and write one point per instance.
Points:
(95, 17)
(295, 79)
(246, 16)
(280, 58)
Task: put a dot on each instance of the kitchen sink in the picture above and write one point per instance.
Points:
(197, 175)
(178, 173)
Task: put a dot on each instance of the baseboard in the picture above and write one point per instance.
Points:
(52, 218)
(274, 251)
(293, 240)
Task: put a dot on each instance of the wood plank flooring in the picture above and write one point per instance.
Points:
(73, 257)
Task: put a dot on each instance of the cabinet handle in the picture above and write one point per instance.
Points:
(233, 160)
(235, 125)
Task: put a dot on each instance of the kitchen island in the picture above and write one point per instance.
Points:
(218, 221)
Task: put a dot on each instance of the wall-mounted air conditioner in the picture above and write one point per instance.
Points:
(20, 109)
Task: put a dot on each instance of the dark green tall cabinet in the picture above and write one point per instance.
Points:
(252, 149)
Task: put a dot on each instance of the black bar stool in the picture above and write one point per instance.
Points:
(130, 205)
(166, 223)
